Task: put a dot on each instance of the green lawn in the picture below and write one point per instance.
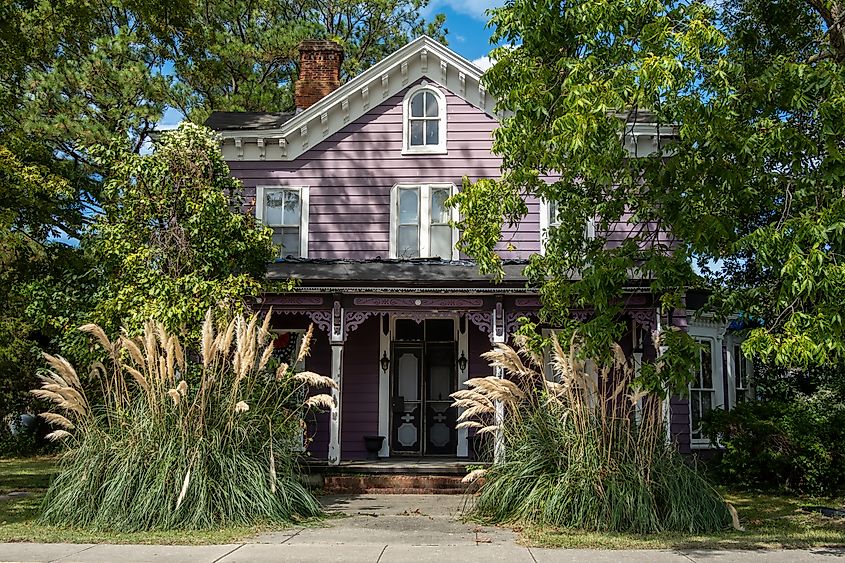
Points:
(770, 521)
(18, 516)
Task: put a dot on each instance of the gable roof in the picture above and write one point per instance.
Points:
(259, 137)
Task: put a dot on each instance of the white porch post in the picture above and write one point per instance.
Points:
(499, 335)
(667, 407)
(337, 340)
(384, 385)
(463, 351)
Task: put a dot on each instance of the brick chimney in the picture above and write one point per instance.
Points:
(319, 71)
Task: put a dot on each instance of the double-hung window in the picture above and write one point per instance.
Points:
(550, 219)
(740, 370)
(424, 121)
(420, 223)
(702, 395)
(285, 209)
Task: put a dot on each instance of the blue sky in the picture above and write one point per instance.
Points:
(468, 36)
(466, 22)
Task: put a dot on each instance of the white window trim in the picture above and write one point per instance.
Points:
(303, 215)
(545, 223)
(715, 336)
(424, 218)
(730, 342)
(440, 147)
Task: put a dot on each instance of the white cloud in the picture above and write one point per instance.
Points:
(472, 8)
(483, 62)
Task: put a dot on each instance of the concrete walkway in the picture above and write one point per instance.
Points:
(388, 528)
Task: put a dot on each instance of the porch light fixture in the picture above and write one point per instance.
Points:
(385, 362)
(462, 363)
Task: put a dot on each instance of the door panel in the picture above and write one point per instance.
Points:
(424, 376)
(441, 381)
(407, 395)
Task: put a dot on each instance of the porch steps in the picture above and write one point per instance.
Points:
(394, 484)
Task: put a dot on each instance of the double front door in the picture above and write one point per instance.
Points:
(424, 375)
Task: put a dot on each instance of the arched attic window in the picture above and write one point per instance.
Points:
(424, 121)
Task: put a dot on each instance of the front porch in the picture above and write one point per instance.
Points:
(398, 337)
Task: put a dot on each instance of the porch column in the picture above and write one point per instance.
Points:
(463, 351)
(667, 405)
(384, 385)
(337, 340)
(498, 335)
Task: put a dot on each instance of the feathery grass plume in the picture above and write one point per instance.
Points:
(62, 367)
(138, 377)
(320, 401)
(100, 335)
(184, 489)
(575, 454)
(468, 424)
(118, 471)
(489, 429)
(56, 435)
(264, 331)
(265, 356)
(305, 347)
(57, 420)
(473, 475)
(315, 379)
(281, 371)
(207, 338)
(131, 346)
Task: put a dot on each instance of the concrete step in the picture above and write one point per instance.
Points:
(394, 484)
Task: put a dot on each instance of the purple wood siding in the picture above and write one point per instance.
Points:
(477, 343)
(359, 411)
(351, 173)
(679, 406)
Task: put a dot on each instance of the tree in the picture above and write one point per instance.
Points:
(172, 240)
(748, 184)
(243, 56)
(35, 206)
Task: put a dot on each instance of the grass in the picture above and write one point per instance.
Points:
(771, 521)
(18, 517)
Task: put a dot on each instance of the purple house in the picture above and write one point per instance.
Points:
(353, 184)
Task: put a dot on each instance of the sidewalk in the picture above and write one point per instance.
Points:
(387, 529)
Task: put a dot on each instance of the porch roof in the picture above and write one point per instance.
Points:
(427, 272)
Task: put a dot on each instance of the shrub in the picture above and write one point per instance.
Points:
(574, 455)
(798, 445)
(180, 442)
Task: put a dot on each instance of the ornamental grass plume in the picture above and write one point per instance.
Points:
(581, 451)
(177, 442)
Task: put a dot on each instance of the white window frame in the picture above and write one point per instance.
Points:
(713, 333)
(303, 215)
(546, 222)
(440, 147)
(730, 343)
(424, 218)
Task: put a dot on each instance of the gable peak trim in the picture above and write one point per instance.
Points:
(421, 58)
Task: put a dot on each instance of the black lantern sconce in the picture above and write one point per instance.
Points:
(462, 363)
(385, 362)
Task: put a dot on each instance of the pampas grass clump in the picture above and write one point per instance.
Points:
(576, 453)
(181, 443)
